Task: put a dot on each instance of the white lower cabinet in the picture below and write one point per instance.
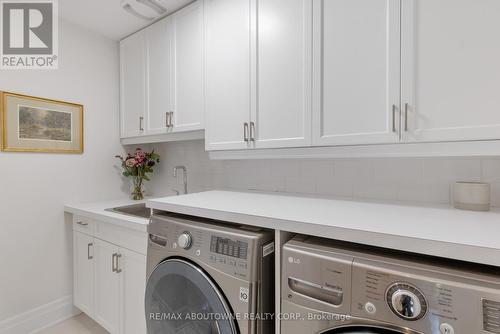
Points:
(133, 290)
(83, 267)
(110, 282)
(107, 288)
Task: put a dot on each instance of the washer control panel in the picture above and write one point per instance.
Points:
(423, 300)
(423, 297)
(233, 250)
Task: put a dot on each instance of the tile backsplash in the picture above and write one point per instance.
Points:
(426, 180)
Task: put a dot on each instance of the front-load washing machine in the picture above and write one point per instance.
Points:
(206, 277)
(336, 288)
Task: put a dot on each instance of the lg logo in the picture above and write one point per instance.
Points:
(29, 29)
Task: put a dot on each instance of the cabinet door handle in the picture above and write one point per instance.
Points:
(141, 119)
(171, 119)
(406, 116)
(117, 257)
(245, 132)
(394, 110)
(82, 223)
(89, 257)
(252, 131)
(113, 262)
(167, 115)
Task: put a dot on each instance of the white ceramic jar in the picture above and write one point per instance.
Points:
(473, 196)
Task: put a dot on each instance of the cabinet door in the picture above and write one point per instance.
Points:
(159, 76)
(357, 72)
(283, 115)
(451, 72)
(227, 73)
(132, 85)
(107, 289)
(133, 290)
(83, 272)
(187, 29)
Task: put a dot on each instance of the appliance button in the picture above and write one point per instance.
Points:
(370, 308)
(446, 329)
(198, 252)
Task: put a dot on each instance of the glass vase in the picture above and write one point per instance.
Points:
(137, 192)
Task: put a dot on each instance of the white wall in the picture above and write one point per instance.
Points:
(35, 242)
(405, 179)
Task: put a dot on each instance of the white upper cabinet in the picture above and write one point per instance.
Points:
(284, 64)
(227, 73)
(132, 85)
(187, 68)
(162, 78)
(357, 72)
(159, 76)
(451, 52)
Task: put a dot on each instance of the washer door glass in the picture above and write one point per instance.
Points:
(182, 298)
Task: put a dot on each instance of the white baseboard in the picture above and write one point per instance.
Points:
(40, 318)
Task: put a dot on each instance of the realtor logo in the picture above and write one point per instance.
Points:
(29, 34)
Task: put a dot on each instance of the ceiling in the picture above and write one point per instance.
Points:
(107, 16)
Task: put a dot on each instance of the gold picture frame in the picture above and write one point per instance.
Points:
(35, 124)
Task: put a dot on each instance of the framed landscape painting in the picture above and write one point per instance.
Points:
(33, 124)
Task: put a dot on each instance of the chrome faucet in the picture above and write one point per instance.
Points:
(184, 171)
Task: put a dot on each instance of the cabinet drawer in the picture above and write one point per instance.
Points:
(130, 239)
(83, 224)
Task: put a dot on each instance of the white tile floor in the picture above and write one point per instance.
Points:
(81, 324)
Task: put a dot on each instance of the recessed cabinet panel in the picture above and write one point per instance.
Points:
(107, 289)
(357, 71)
(187, 25)
(83, 264)
(133, 290)
(451, 52)
(159, 75)
(283, 115)
(132, 85)
(227, 73)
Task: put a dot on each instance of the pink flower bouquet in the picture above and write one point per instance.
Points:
(137, 166)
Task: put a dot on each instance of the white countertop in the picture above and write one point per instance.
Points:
(436, 230)
(97, 210)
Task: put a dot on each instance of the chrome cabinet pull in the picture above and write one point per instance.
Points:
(406, 116)
(252, 131)
(167, 115)
(89, 257)
(113, 267)
(117, 257)
(171, 119)
(141, 119)
(82, 223)
(394, 110)
(245, 132)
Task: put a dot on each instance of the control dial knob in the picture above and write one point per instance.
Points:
(185, 240)
(406, 301)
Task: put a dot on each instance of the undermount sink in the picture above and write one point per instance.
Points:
(136, 210)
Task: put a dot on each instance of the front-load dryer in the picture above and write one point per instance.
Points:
(331, 287)
(206, 277)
